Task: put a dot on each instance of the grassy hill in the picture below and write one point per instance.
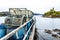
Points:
(52, 13)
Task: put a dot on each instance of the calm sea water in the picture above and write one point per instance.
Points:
(46, 23)
(2, 19)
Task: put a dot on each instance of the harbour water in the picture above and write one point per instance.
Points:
(46, 23)
(2, 19)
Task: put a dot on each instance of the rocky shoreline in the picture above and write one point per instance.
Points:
(50, 17)
(54, 33)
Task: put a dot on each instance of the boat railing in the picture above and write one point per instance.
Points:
(26, 27)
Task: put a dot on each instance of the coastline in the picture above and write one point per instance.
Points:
(50, 17)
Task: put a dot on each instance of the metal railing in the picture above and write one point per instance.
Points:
(32, 33)
(26, 37)
(27, 30)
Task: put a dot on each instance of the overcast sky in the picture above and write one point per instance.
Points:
(38, 6)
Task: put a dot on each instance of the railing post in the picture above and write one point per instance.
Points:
(25, 29)
(17, 35)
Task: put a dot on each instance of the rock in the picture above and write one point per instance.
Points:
(48, 31)
(58, 36)
(56, 30)
(58, 33)
(59, 30)
(55, 35)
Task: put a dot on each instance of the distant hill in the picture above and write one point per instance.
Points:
(37, 14)
(4, 13)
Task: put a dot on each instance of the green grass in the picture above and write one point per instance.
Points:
(52, 13)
